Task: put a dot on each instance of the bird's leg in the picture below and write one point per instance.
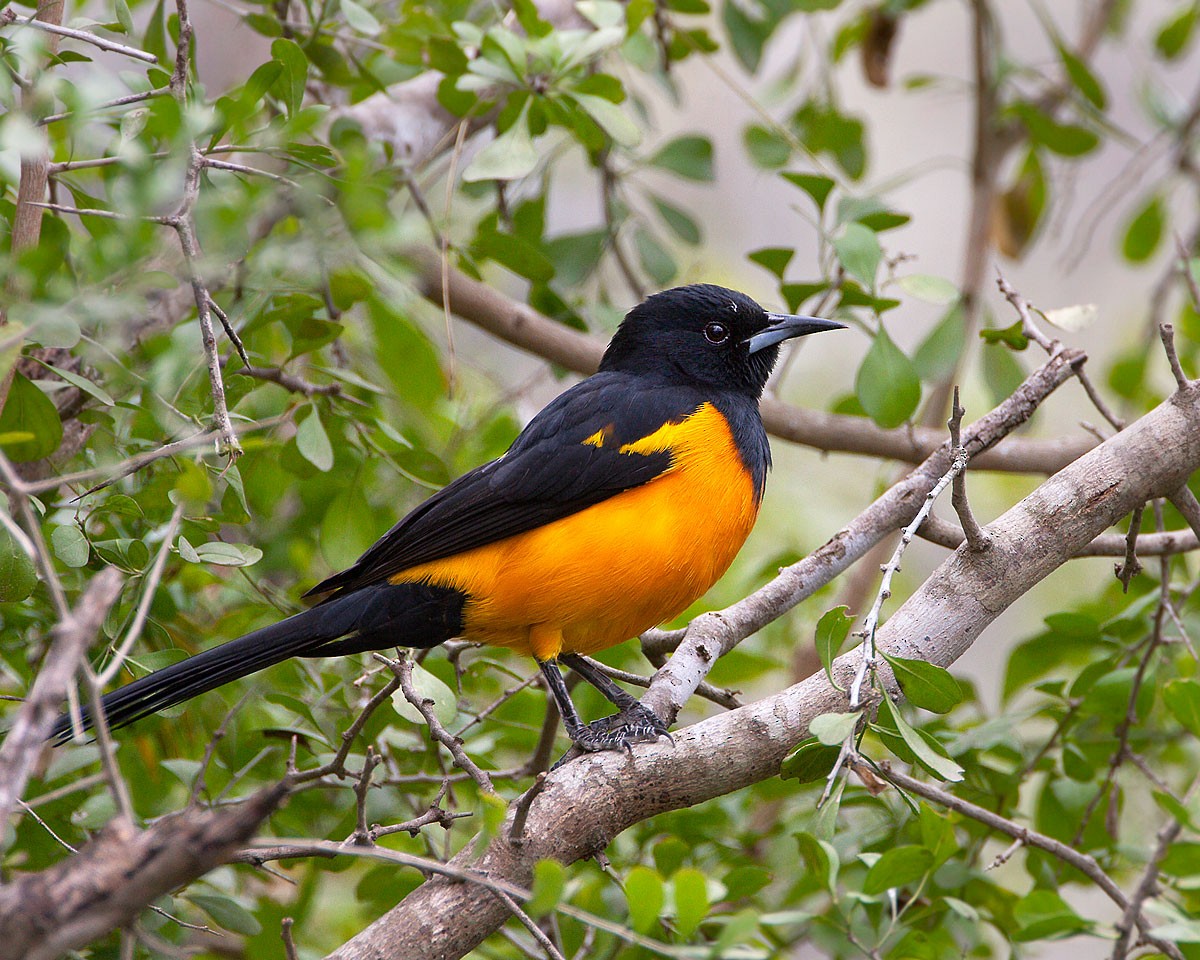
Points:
(634, 723)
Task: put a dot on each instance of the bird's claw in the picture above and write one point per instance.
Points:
(621, 731)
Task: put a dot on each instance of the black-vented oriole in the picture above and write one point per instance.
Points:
(619, 504)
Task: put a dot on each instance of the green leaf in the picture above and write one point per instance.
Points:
(833, 728)
(610, 118)
(929, 288)
(691, 900)
(887, 385)
(427, 687)
(775, 259)
(926, 685)
(931, 758)
(654, 258)
(897, 867)
(645, 892)
(81, 383)
(938, 354)
(680, 223)
(227, 554)
(124, 17)
(1176, 33)
(820, 859)
(509, 157)
(766, 147)
(1080, 74)
(30, 427)
(313, 442)
(549, 881)
(1011, 336)
(1066, 139)
(228, 913)
(70, 546)
(1182, 698)
(18, 576)
(360, 18)
(832, 630)
(815, 185)
(1145, 231)
(858, 249)
(1043, 914)
(294, 75)
(689, 156)
(810, 761)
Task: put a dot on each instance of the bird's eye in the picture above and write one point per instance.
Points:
(716, 332)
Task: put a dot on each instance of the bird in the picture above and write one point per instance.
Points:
(619, 504)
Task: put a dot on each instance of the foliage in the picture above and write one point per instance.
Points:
(307, 221)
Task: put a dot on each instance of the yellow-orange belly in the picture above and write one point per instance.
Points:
(612, 570)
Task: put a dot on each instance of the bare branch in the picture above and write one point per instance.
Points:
(402, 669)
(1167, 334)
(1084, 863)
(976, 538)
(944, 534)
(115, 876)
(71, 637)
(10, 17)
(590, 800)
(1130, 567)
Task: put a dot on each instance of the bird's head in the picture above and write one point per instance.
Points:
(706, 335)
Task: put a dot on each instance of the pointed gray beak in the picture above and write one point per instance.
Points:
(784, 326)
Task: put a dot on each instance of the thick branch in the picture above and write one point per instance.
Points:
(113, 879)
(524, 327)
(589, 801)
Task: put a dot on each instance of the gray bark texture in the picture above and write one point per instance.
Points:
(108, 883)
(588, 802)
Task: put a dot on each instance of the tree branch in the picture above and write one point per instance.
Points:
(589, 801)
(71, 637)
(524, 327)
(112, 879)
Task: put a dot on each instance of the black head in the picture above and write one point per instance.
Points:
(706, 335)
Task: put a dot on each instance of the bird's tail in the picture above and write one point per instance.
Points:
(371, 618)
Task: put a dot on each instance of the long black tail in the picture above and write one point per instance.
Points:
(371, 618)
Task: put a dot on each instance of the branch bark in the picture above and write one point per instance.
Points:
(588, 802)
(72, 636)
(110, 881)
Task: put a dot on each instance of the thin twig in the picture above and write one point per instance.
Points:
(1082, 862)
(1131, 566)
(527, 922)
(149, 588)
(9, 16)
(516, 832)
(337, 766)
(1166, 333)
(74, 632)
(977, 539)
(289, 381)
(289, 945)
(871, 623)
(401, 667)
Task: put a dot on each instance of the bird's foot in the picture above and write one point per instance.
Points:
(635, 724)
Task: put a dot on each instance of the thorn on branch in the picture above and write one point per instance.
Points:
(1131, 566)
(1166, 333)
(977, 538)
(516, 833)
(289, 945)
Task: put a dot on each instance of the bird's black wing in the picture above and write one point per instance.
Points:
(547, 474)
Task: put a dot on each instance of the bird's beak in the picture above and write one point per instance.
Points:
(784, 326)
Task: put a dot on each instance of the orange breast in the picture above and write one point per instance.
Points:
(606, 573)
